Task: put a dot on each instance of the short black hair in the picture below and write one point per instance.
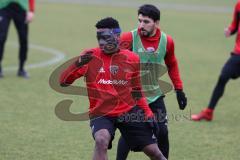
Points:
(107, 22)
(150, 11)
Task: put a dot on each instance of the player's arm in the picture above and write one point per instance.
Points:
(75, 70)
(137, 93)
(31, 4)
(30, 13)
(126, 41)
(172, 64)
(174, 74)
(233, 28)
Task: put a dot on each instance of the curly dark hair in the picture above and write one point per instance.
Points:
(107, 22)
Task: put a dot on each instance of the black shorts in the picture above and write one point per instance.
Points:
(231, 69)
(137, 133)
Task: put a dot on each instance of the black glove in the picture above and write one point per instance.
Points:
(181, 98)
(154, 126)
(136, 93)
(84, 58)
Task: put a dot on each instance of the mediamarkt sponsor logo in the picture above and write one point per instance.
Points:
(117, 82)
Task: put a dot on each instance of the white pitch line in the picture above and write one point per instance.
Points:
(58, 56)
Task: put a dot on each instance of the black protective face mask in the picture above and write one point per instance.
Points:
(108, 41)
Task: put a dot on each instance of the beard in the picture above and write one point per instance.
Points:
(146, 33)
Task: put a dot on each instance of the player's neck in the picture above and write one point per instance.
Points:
(153, 33)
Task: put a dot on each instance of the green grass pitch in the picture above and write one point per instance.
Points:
(29, 129)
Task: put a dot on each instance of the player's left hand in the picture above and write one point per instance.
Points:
(29, 17)
(181, 98)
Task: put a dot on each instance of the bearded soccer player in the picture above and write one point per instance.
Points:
(21, 12)
(154, 47)
(231, 69)
(114, 91)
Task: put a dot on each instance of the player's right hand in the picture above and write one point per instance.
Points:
(85, 58)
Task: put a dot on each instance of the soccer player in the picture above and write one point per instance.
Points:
(115, 96)
(154, 47)
(231, 69)
(21, 12)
